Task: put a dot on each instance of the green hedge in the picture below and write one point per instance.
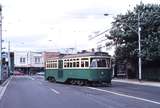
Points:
(152, 74)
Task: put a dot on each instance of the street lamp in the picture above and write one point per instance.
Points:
(139, 45)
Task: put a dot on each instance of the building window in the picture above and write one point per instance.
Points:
(37, 60)
(22, 60)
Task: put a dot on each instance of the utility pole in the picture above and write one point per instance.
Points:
(139, 49)
(0, 43)
(9, 58)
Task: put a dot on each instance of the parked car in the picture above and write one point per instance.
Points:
(18, 73)
(40, 73)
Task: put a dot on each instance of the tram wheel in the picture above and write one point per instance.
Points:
(86, 83)
(53, 79)
(49, 79)
(73, 82)
(94, 84)
(80, 83)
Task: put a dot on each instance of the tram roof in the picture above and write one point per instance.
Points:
(87, 54)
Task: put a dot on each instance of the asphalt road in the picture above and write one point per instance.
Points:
(34, 92)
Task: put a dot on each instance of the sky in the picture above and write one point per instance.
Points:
(57, 25)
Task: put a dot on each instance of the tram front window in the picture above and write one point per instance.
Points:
(93, 63)
(97, 62)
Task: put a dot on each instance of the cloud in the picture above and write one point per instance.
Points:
(68, 23)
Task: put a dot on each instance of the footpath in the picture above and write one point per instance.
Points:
(137, 82)
(3, 87)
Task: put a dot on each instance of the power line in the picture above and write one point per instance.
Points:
(90, 38)
(101, 41)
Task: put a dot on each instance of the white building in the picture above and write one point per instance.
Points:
(36, 59)
(28, 61)
(21, 59)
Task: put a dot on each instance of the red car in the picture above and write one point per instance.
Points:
(18, 73)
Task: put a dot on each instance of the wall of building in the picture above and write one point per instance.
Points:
(21, 59)
(36, 59)
(28, 59)
(28, 62)
(32, 61)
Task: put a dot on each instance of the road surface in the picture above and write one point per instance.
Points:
(35, 92)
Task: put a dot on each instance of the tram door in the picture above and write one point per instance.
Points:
(60, 69)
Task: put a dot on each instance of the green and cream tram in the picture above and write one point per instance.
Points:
(86, 68)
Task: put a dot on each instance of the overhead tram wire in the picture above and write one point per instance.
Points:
(102, 41)
(99, 34)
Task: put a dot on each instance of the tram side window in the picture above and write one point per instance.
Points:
(82, 64)
(51, 65)
(74, 64)
(101, 62)
(65, 64)
(86, 64)
(70, 64)
(93, 63)
(77, 64)
(46, 65)
(108, 62)
(54, 65)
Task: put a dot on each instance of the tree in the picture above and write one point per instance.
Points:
(124, 35)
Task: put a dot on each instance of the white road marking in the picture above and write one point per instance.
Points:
(55, 91)
(124, 95)
(4, 88)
